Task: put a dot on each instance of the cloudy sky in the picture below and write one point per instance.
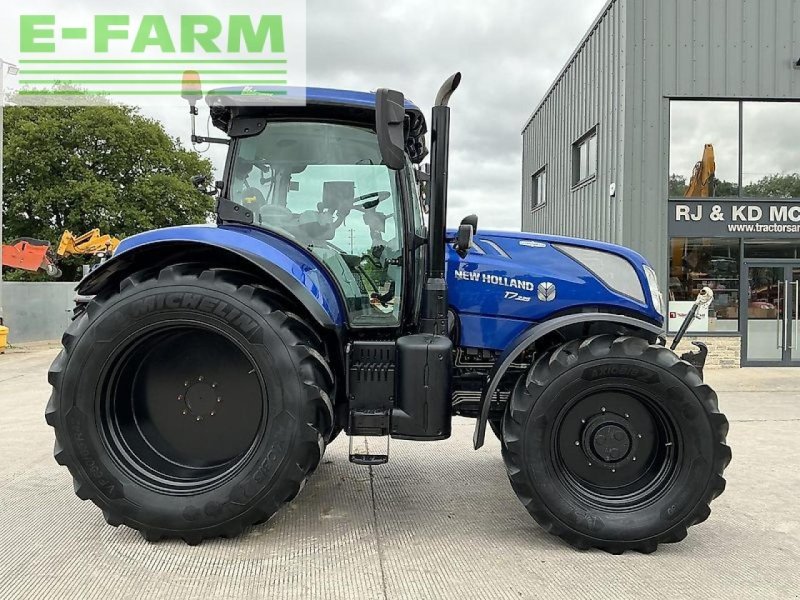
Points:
(509, 51)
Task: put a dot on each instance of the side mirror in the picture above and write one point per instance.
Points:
(200, 182)
(390, 117)
(466, 231)
(191, 87)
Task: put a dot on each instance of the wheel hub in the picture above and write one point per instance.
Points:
(201, 399)
(608, 440)
(611, 443)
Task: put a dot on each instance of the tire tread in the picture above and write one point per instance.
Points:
(549, 365)
(307, 351)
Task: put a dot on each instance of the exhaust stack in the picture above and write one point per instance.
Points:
(434, 315)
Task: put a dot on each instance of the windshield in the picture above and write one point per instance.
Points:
(323, 186)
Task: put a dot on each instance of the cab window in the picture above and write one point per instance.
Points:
(323, 186)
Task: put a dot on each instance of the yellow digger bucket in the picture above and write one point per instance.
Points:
(90, 242)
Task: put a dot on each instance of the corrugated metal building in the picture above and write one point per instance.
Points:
(610, 151)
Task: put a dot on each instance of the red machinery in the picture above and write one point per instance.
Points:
(30, 254)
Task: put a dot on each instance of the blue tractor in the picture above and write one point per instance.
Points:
(207, 367)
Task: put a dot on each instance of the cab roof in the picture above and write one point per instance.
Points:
(229, 103)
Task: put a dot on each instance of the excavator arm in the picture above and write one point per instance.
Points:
(90, 242)
(703, 181)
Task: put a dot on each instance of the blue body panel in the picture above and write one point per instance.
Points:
(490, 317)
(298, 263)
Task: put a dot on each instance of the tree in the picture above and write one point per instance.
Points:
(722, 189)
(105, 166)
(770, 186)
(677, 186)
(775, 186)
(725, 189)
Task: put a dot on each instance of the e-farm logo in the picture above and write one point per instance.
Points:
(140, 57)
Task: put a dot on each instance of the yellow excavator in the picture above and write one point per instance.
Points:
(89, 243)
(703, 181)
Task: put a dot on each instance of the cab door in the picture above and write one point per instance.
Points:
(323, 186)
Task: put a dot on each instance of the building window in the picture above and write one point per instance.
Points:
(734, 149)
(770, 161)
(704, 149)
(695, 263)
(584, 158)
(775, 248)
(538, 188)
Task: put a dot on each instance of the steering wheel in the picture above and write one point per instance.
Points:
(368, 202)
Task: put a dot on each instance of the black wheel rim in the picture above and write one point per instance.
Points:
(615, 448)
(182, 408)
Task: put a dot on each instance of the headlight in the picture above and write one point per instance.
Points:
(655, 289)
(611, 269)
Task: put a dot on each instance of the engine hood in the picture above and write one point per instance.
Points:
(510, 280)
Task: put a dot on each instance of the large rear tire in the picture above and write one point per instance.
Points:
(615, 444)
(187, 404)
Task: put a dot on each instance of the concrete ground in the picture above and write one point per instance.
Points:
(438, 521)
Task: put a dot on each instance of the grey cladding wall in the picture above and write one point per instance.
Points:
(590, 93)
(721, 48)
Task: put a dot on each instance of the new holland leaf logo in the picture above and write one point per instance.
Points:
(546, 291)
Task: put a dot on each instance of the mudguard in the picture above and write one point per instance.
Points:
(523, 341)
(294, 269)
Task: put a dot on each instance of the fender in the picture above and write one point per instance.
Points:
(292, 268)
(524, 340)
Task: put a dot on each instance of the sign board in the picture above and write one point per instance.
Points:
(734, 218)
(678, 309)
(248, 52)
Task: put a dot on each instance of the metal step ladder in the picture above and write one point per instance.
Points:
(369, 437)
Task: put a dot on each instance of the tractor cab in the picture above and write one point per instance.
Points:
(338, 178)
(316, 175)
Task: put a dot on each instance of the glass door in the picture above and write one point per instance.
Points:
(793, 314)
(772, 330)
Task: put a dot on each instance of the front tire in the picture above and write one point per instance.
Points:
(614, 443)
(187, 404)
(496, 425)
